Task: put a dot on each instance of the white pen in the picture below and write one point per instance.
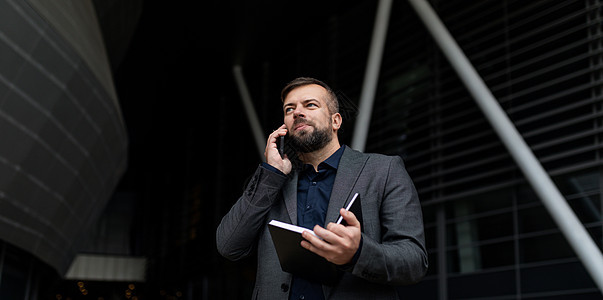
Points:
(347, 208)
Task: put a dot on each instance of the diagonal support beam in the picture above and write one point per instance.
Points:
(371, 75)
(575, 233)
(252, 116)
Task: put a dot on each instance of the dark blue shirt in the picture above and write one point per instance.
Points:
(313, 194)
(314, 190)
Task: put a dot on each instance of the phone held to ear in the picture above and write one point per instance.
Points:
(281, 145)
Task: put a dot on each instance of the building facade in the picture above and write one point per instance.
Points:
(488, 234)
(64, 145)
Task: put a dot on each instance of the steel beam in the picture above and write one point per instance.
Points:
(252, 116)
(371, 75)
(575, 233)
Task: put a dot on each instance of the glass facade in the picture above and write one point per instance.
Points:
(489, 235)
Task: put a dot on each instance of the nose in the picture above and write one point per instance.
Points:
(298, 113)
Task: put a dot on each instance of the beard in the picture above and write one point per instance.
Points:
(306, 142)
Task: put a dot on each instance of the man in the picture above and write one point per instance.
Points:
(388, 249)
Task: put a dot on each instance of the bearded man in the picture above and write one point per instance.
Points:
(387, 250)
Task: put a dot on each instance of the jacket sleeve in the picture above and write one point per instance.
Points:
(398, 256)
(237, 234)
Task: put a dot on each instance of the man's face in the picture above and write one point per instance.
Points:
(307, 118)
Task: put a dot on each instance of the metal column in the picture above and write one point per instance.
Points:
(570, 226)
(252, 116)
(371, 75)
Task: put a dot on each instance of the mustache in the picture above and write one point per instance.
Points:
(301, 120)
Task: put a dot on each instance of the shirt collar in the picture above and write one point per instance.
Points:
(332, 161)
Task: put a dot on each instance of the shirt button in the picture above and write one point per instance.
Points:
(301, 297)
(284, 287)
(313, 182)
(308, 207)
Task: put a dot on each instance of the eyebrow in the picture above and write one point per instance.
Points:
(303, 101)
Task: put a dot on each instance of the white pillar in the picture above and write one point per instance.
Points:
(575, 233)
(252, 116)
(371, 75)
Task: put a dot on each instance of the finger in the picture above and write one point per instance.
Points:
(272, 137)
(312, 238)
(330, 236)
(349, 218)
(338, 229)
(339, 252)
(281, 130)
(315, 243)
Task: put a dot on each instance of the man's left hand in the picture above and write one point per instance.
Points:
(339, 243)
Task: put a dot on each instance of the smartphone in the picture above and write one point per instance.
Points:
(280, 142)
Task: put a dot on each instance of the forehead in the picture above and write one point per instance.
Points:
(311, 91)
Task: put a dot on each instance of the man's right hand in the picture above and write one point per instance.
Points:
(273, 157)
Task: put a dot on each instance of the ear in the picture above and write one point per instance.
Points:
(336, 120)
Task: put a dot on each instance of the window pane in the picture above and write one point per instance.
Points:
(474, 258)
(430, 237)
(547, 247)
(579, 183)
(555, 278)
(525, 194)
(482, 285)
(534, 219)
(478, 204)
(433, 263)
(481, 229)
(14, 275)
(425, 289)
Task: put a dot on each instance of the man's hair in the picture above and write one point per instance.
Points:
(332, 102)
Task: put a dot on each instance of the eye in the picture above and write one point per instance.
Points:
(288, 109)
(312, 105)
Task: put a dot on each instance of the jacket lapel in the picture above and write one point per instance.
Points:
(351, 164)
(290, 196)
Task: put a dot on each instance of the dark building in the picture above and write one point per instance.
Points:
(191, 149)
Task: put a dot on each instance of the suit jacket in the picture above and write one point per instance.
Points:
(393, 250)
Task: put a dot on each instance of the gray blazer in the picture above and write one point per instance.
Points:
(393, 250)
